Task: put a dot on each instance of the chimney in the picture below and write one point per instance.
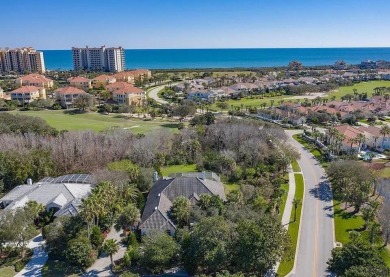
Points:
(203, 176)
(29, 181)
(155, 176)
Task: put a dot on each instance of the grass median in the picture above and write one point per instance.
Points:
(287, 263)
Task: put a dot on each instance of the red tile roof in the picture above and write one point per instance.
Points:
(104, 78)
(69, 90)
(375, 131)
(129, 90)
(119, 85)
(25, 89)
(349, 132)
(124, 88)
(34, 77)
(79, 79)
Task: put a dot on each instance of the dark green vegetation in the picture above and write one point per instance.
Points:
(16, 229)
(358, 258)
(254, 159)
(18, 124)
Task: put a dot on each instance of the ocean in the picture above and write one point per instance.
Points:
(228, 58)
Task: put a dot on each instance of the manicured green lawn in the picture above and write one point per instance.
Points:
(59, 269)
(97, 122)
(287, 265)
(295, 166)
(254, 103)
(344, 222)
(8, 271)
(361, 88)
(168, 170)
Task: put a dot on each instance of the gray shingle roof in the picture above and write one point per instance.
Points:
(165, 191)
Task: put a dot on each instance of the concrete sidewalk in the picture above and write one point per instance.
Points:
(290, 197)
(37, 261)
(288, 207)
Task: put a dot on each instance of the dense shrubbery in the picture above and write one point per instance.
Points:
(19, 124)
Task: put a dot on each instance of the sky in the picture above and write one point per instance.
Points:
(176, 24)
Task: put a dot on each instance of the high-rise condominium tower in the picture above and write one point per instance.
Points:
(99, 59)
(21, 60)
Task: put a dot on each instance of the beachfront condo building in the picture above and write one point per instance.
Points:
(110, 59)
(21, 60)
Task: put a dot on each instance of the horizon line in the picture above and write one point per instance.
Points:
(236, 48)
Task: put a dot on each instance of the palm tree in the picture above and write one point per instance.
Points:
(316, 134)
(128, 218)
(296, 202)
(87, 213)
(338, 141)
(111, 247)
(361, 138)
(385, 130)
(352, 141)
(181, 210)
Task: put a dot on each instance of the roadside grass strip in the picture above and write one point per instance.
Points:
(295, 166)
(287, 263)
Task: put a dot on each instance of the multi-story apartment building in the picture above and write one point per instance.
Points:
(102, 81)
(110, 59)
(27, 94)
(68, 95)
(80, 82)
(125, 93)
(34, 79)
(21, 60)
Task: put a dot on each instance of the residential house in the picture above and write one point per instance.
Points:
(125, 93)
(102, 81)
(62, 195)
(34, 79)
(67, 96)
(27, 94)
(141, 74)
(80, 82)
(164, 192)
(349, 133)
(124, 76)
(201, 95)
(374, 138)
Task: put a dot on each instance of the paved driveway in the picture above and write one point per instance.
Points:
(37, 261)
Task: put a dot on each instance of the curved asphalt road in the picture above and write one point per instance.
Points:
(316, 235)
(153, 94)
